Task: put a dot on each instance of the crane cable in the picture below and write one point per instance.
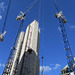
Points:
(55, 4)
(32, 5)
(6, 16)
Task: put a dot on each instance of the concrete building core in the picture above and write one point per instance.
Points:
(29, 58)
(26, 57)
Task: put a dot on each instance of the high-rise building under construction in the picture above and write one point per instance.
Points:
(65, 70)
(26, 59)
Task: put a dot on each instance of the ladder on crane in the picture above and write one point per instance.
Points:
(69, 55)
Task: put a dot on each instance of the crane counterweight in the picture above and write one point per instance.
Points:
(60, 15)
(2, 36)
(21, 17)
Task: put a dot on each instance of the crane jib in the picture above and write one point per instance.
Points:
(69, 55)
(6, 16)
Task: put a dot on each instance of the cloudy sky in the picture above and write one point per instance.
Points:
(51, 43)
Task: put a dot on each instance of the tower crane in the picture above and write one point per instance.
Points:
(3, 29)
(10, 60)
(42, 67)
(69, 55)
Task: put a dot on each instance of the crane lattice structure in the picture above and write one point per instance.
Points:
(69, 55)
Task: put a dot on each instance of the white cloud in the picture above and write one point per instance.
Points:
(46, 68)
(56, 66)
(52, 64)
(50, 68)
(2, 7)
(41, 28)
(2, 65)
(73, 27)
(59, 28)
(0, 17)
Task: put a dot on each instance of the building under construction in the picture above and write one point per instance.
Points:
(65, 70)
(26, 57)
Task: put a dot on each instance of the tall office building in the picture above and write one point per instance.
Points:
(26, 60)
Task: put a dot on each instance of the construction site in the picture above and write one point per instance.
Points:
(36, 37)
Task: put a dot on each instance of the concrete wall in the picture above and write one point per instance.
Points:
(18, 50)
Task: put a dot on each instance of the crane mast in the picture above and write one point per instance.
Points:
(67, 47)
(10, 60)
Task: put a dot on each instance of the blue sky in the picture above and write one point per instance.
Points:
(51, 44)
